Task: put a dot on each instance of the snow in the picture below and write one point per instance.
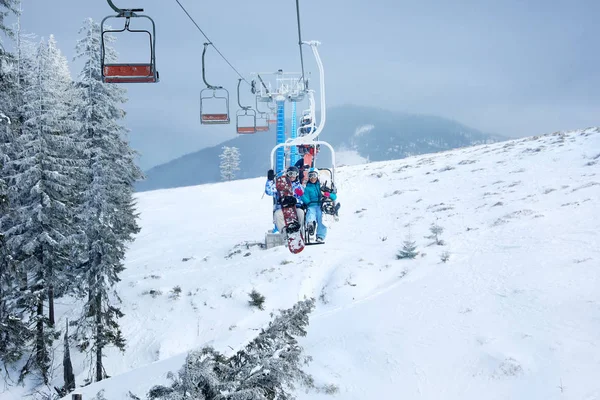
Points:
(345, 157)
(514, 313)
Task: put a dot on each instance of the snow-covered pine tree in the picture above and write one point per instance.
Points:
(197, 379)
(41, 232)
(267, 368)
(436, 232)
(6, 8)
(107, 213)
(230, 162)
(14, 330)
(272, 361)
(408, 250)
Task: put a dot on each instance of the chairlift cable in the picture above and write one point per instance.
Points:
(215, 47)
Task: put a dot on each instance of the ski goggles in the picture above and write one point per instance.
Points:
(291, 173)
(313, 174)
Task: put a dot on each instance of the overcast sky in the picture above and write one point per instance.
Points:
(512, 67)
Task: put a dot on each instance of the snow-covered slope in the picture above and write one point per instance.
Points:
(514, 313)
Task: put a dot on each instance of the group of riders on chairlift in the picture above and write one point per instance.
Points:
(312, 198)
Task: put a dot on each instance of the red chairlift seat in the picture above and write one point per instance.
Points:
(215, 96)
(128, 72)
(246, 129)
(215, 119)
(242, 115)
(262, 122)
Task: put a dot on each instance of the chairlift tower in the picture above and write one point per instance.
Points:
(279, 87)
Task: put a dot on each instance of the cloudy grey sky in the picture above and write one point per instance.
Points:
(512, 67)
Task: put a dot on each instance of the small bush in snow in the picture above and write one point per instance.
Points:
(99, 396)
(175, 292)
(436, 231)
(329, 389)
(256, 299)
(408, 250)
(445, 256)
(153, 292)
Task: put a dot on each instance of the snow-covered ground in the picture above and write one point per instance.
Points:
(514, 313)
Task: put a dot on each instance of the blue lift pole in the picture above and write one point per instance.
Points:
(280, 159)
(294, 152)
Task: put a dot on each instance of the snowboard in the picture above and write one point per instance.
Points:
(288, 207)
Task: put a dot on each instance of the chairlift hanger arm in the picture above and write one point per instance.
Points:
(124, 12)
(209, 86)
(238, 97)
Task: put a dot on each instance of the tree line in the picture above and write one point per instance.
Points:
(67, 210)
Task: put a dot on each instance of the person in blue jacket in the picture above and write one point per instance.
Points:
(312, 199)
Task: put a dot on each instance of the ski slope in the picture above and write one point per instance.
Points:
(514, 313)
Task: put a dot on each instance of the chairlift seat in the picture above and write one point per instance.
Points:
(246, 129)
(218, 99)
(129, 73)
(262, 128)
(215, 119)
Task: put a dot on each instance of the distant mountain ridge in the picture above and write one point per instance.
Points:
(374, 134)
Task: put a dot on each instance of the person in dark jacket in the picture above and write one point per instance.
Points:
(312, 199)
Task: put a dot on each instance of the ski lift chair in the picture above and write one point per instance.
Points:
(218, 95)
(262, 122)
(242, 117)
(128, 72)
(262, 118)
(209, 97)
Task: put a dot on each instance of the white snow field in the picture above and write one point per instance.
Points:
(513, 313)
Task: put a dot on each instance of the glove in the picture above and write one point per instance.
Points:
(326, 194)
(298, 191)
(271, 175)
(288, 201)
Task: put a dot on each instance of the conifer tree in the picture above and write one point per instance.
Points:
(107, 211)
(230, 162)
(7, 7)
(14, 330)
(41, 232)
(266, 368)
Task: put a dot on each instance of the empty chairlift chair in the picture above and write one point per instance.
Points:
(214, 105)
(214, 100)
(262, 122)
(262, 119)
(119, 72)
(246, 121)
(245, 116)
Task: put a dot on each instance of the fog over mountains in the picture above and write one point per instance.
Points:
(357, 134)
